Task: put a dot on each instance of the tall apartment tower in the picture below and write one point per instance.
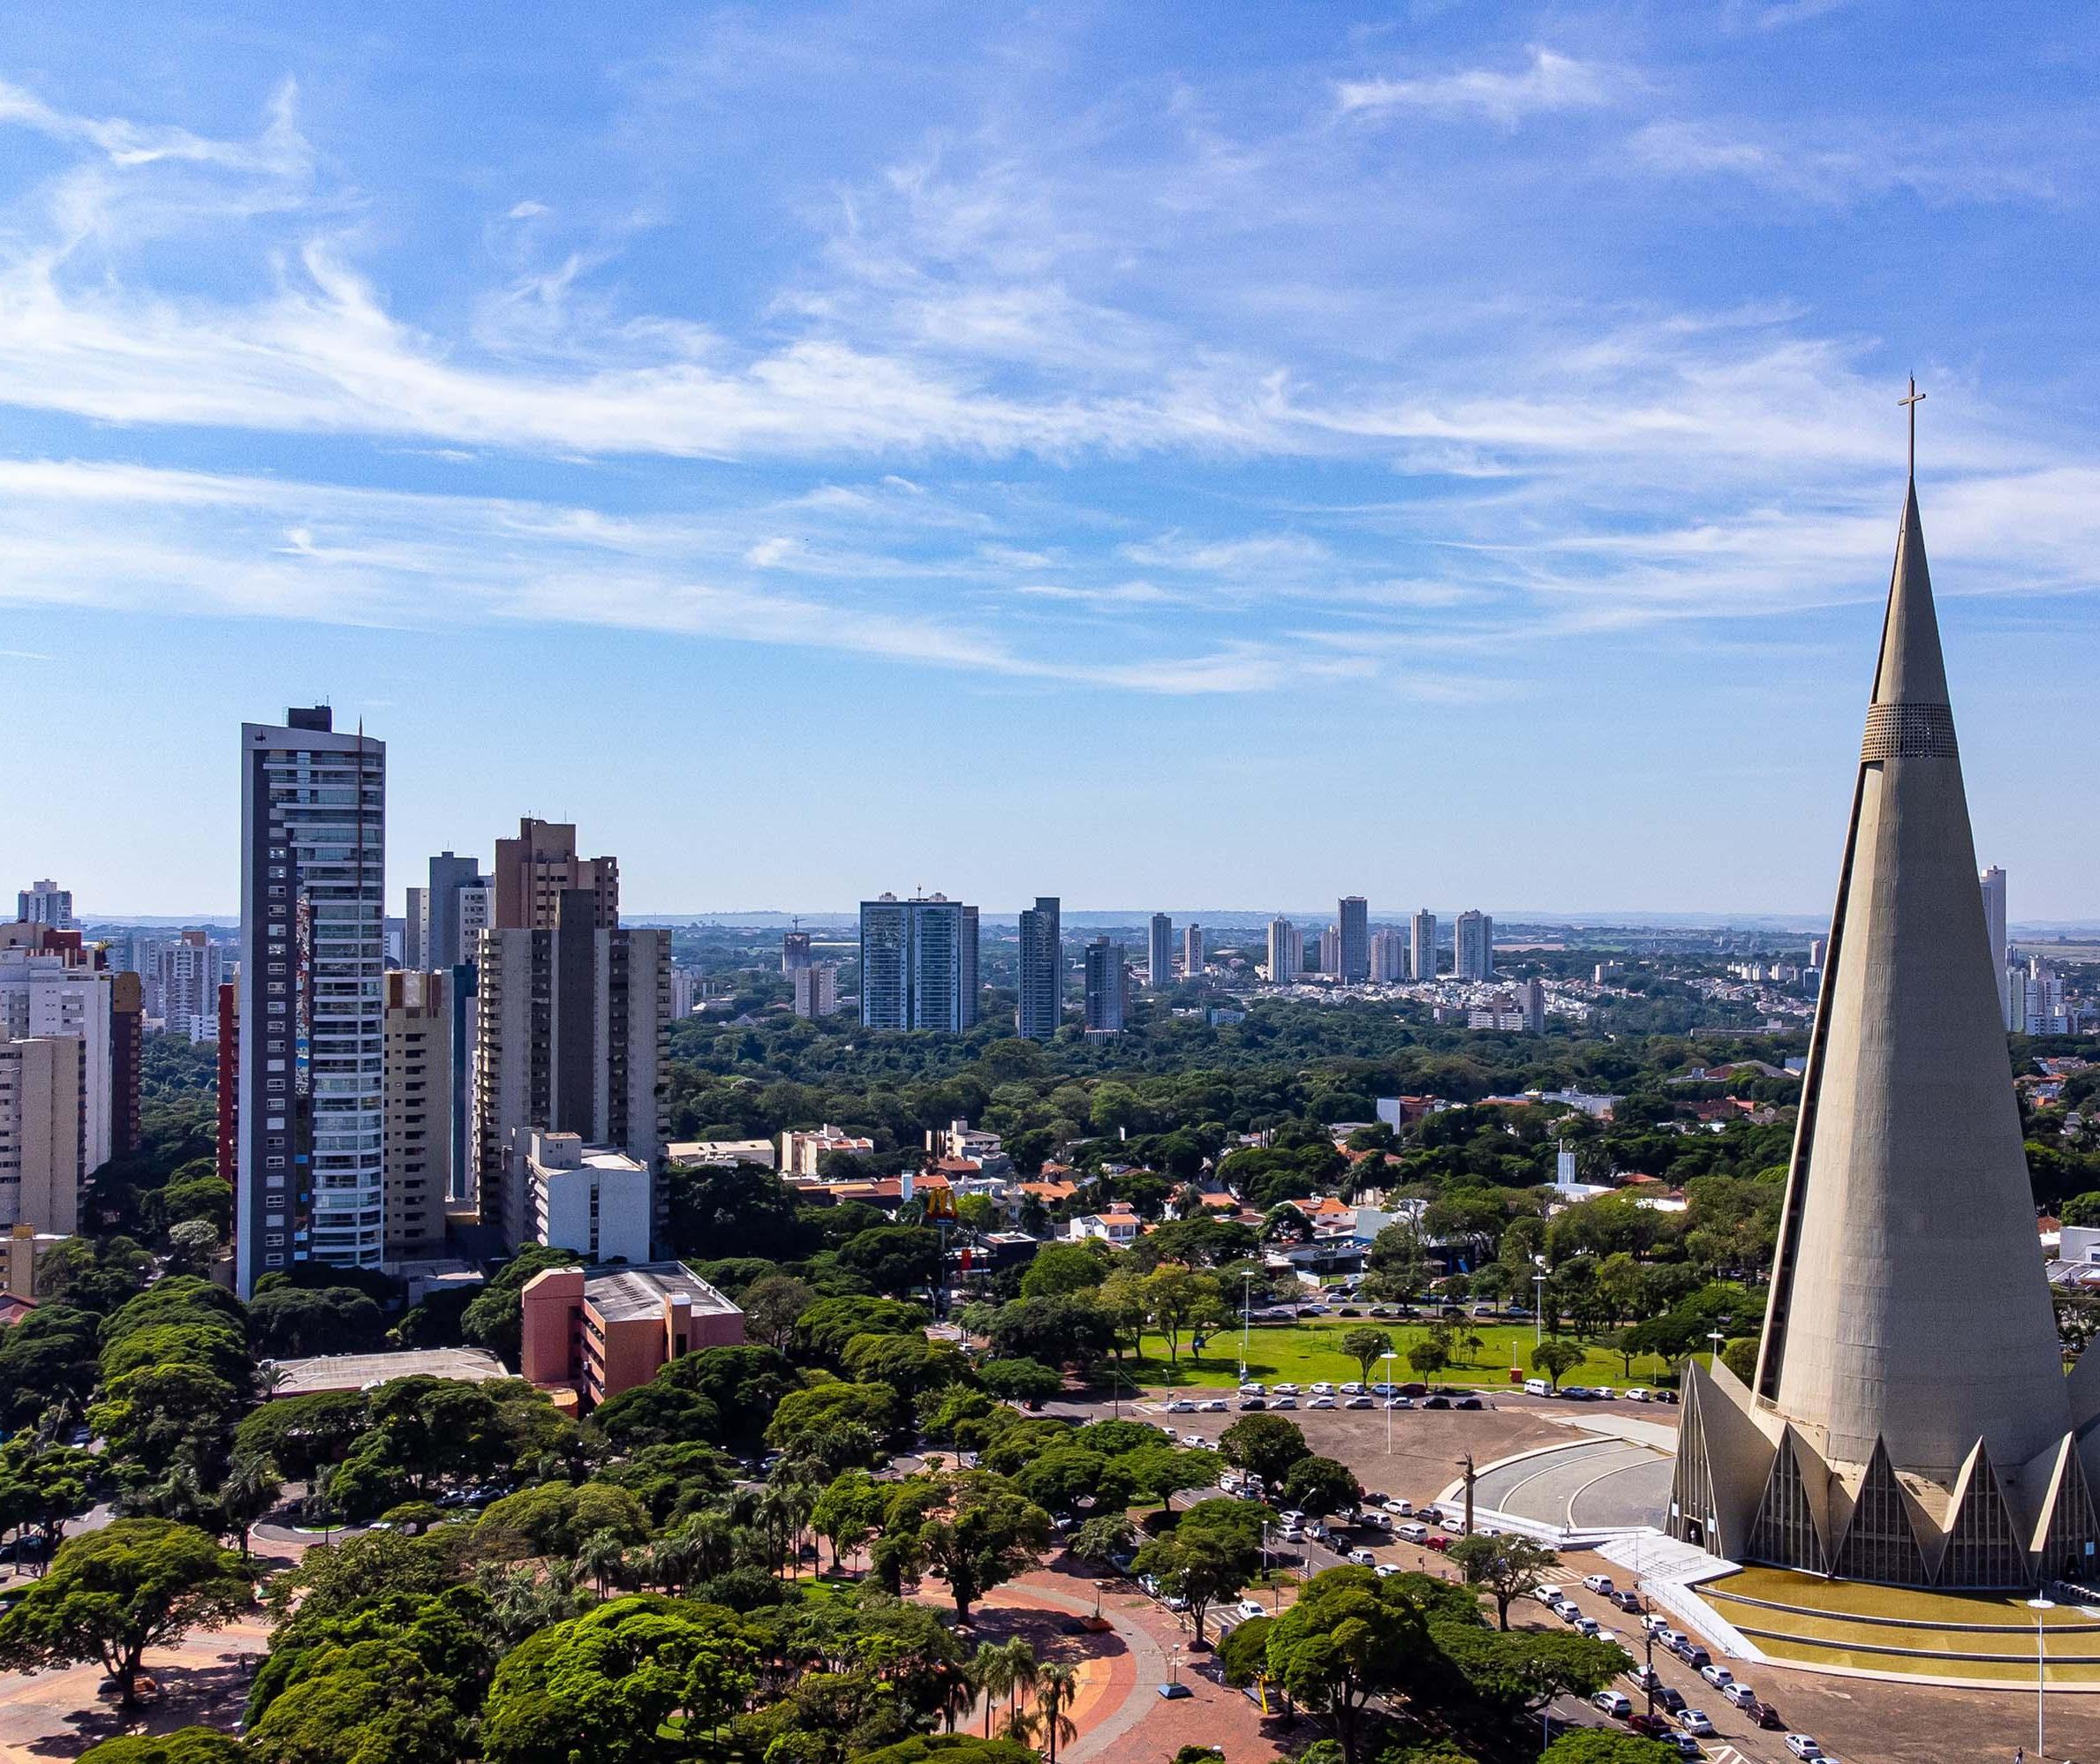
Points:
(534, 871)
(1993, 882)
(816, 989)
(1353, 917)
(49, 987)
(419, 1100)
(1388, 957)
(40, 1133)
(127, 1058)
(1107, 987)
(1473, 946)
(1192, 964)
(1040, 1008)
(1158, 952)
(1530, 1000)
(189, 971)
(45, 903)
(917, 964)
(312, 955)
(1285, 952)
(457, 907)
(572, 1021)
(1331, 951)
(794, 951)
(1422, 946)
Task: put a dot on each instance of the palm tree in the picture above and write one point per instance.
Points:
(1057, 1691)
(990, 1675)
(1024, 1672)
(250, 1491)
(600, 1558)
(1020, 1727)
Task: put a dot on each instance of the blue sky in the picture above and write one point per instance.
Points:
(1199, 454)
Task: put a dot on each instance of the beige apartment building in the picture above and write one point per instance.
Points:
(418, 1159)
(534, 871)
(40, 1132)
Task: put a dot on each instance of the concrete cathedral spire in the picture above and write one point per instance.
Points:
(1909, 1407)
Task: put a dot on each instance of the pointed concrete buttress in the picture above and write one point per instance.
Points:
(1909, 1302)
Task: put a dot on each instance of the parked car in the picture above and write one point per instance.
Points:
(1615, 1703)
(1467, 1403)
(1360, 1403)
(1740, 1694)
(1400, 1402)
(1764, 1713)
(1695, 1722)
(1412, 1533)
(1802, 1746)
(1599, 1583)
(1387, 1569)
(1248, 1404)
(1251, 1389)
(1640, 1395)
(1435, 1403)
(1719, 1676)
(1181, 1405)
(1453, 1522)
(1364, 1558)
(1687, 1746)
(1323, 1403)
(1323, 1389)
(1693, 1654)
(1284, 1402)
(1589, 1628)
(1216, 1405)
(1656, 1624)
(1375, 1521)
(1670, 1697)
(1653, 1726)
(1194, 1441)
(1645, 1678)
(1439, 1544)
(1628, 1601)
(1249, 1608)
(1286, 1391)
(1399, 1509)
(1352, 1389)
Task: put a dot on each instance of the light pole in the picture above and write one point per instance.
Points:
(1538, 1309)
(2041, 1608)
(1387, 1357)
(1246, 1307)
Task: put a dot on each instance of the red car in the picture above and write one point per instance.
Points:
(1440, 1542)
(1654, 1726)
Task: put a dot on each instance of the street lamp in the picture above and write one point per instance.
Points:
(1387, 1357)
(1538, 1309)
(2041, 1608)
(1246, 1307)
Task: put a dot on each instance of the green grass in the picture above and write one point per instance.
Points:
(1304, 1352)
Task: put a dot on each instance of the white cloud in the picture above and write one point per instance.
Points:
(1552, 82)
(1833, 165)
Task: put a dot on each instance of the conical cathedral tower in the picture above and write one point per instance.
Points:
(1910, 1416)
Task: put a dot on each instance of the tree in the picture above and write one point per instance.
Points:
(1061, 1268)
(1072, 1328)
(1321, 1486)
(1072, 1480)
(367, 1701)
(1739, 1356)
(1430, 1355)
(1211, 1553)
(1265, 1445)
(1366, 1347)
(604, 1684)
(291, 1322)
(1103, 1538)
(554, 1519)
(848, 1511)
(1557, 1356)
(112, 1594)
(1350, 1637)
(1021, 1380)
(986, 1532)
(894, 1259)
(496, 1318)
(1505, 1567)
(185, 1745)
(1056, 1692)
(1526, 1668)
(772, 1305)
(1176, 1298)
(1602, 1745)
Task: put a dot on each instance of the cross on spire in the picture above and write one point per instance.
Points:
(1912, 401)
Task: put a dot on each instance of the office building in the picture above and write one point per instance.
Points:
(312, 1178)
(1107, 987)
(1530, 1000)
(41, 1107)
(917, 964)
(1473, 946)
(794, 951)
(1909, 1422)
(1993, 884)
(588, 1334)
(1192, 961)
(1039, 1006)
(421, 1097)
(1158, 952)
(46, 904)
(1388, 957)
(572, 1022)
(593, 1199)
(1422, 946)
(1352, 920)
(534, 871)
(816, 989)
(50, 986)
(188, 973)
(1286, 954)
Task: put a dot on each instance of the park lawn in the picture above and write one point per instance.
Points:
(1305, 1353)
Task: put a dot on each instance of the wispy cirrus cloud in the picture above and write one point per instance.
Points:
(1550, 82)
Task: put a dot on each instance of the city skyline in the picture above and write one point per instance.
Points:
(1225, 397)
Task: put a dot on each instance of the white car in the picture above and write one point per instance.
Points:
(1452, 1522)
(1613, 1703)
(1589, 1628)
(1323, 1403)
(1387, 1569)
(1640, 1394)
(1359, 1403)
(1322, 1389)
(1283, 1403)
(1376, 1521)
(1252, 1389)
(1802, 1746)
(1286, 1389)
(1291, 1516)
(1352, 1389)
(1411, 1533)
(1695, 1722)
(1738, 1694)
(1719, 1676)
(1599, 1583)
(1217, 1405)
(1400, 1509)
(1194, 1440)
(1400, 1402)
(1250, 1608)
(1364, 1558)
(1181, 1405)
(1656, 1625)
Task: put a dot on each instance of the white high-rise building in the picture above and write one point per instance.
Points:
(1389, 956)
(817, 990)
(1422, 946)
(1107, 987)
(313, 1012)
(58, 993)
(1192, 963)
(1158, 952)
(918, 967)
(187, 974)
(40, 1135)
(1331, 951)
(45, 903)
(1285, 952)
(1473, 946)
